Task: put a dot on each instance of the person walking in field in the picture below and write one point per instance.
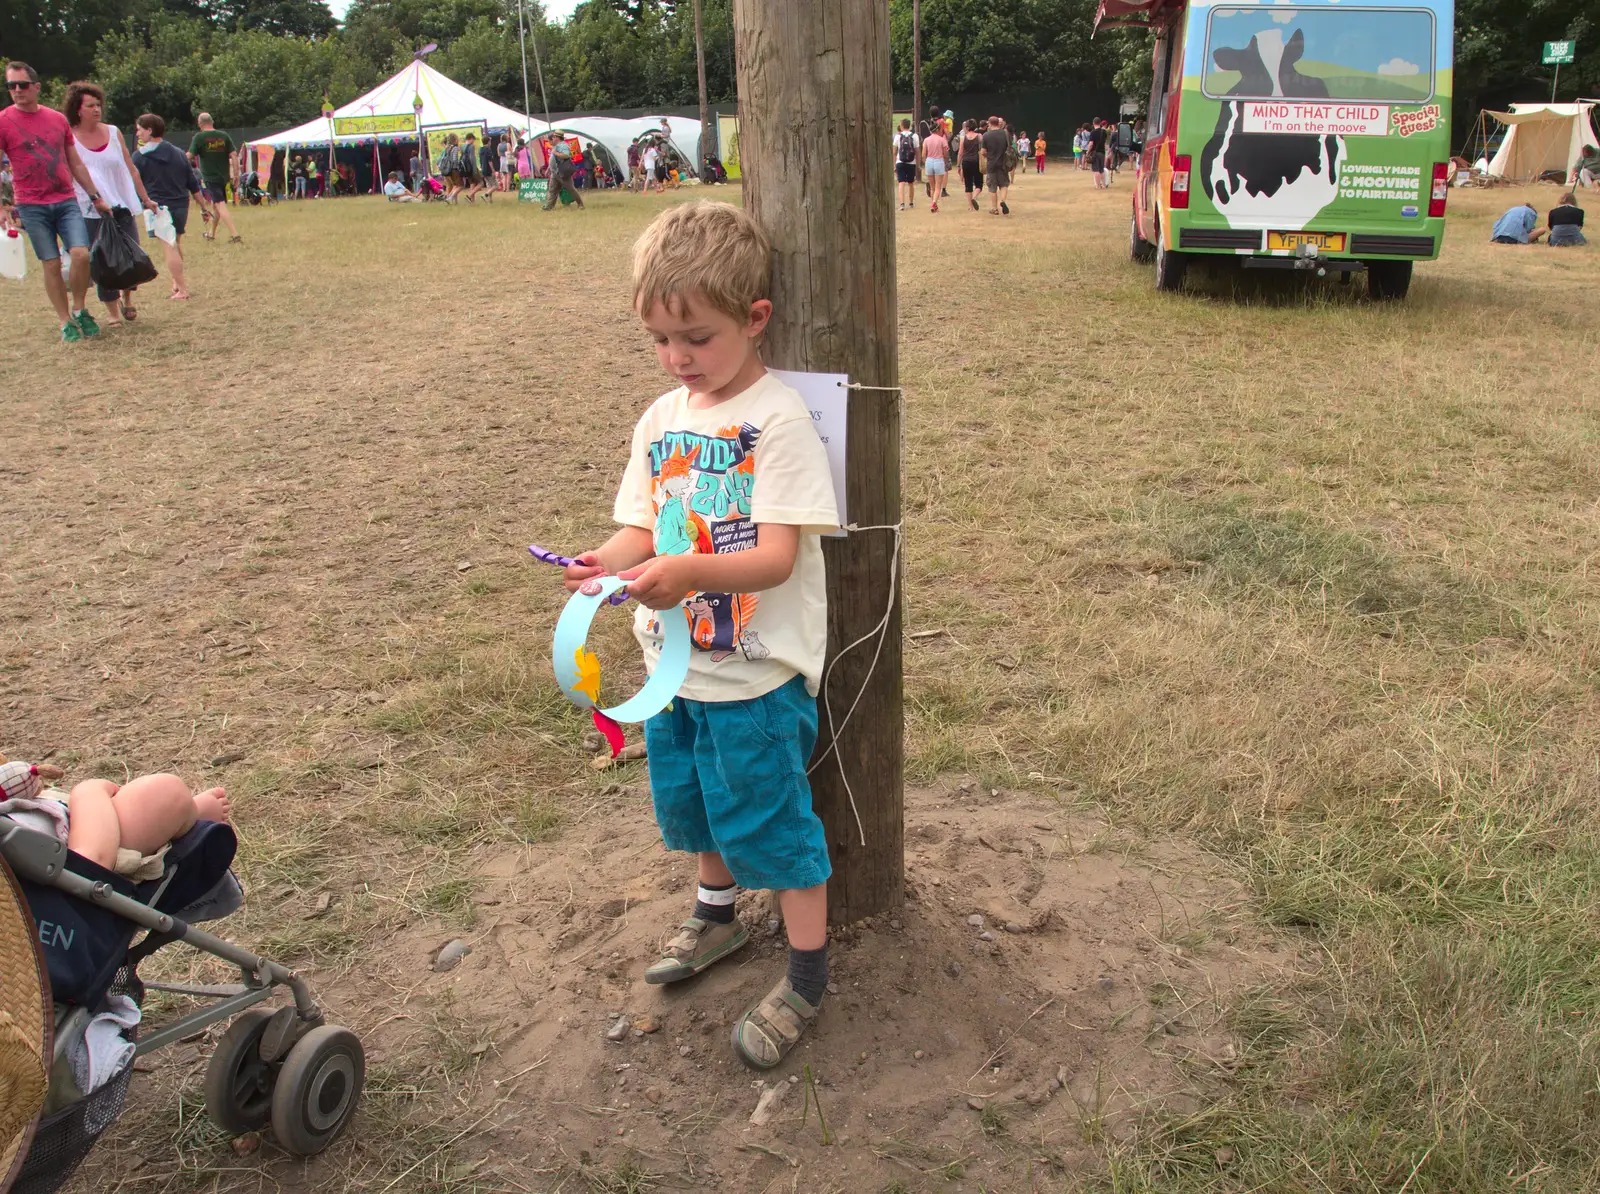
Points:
(935, 163)
(1024, 147)
(728, 758)
(969, 142)
(904, 146)
(44, 163)
(997, 178)
(1038, 153)
(169, 180)
(561, 171)
(212, 151)
(105, 154)
(635, 168)
(1097, 146)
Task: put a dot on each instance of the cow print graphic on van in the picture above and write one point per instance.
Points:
(1254, 179)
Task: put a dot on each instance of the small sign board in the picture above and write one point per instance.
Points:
(373, 126)
(1556, 52)
(829, 402)
(532, 190)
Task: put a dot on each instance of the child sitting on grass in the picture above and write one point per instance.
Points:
(99, 818)
(725, 493)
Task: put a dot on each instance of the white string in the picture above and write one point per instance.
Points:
(879, 632)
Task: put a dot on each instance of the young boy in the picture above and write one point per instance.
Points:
(725, 493)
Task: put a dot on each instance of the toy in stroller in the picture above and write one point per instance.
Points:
(285, 1067)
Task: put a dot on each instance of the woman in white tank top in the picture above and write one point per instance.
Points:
(105, 155)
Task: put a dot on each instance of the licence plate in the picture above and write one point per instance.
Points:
(1333, 242)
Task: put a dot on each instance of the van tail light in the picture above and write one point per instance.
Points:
(1178, 192)
(1441, 189)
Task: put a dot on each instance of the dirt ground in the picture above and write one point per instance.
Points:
(276, 538)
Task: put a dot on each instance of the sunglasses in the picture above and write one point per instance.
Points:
(17, 84)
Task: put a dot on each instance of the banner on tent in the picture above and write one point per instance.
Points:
(728, 144)
(374, 126)
(436, 134)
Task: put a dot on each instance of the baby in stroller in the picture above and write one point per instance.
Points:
(104, 822)
(250, 189)
(98, 865)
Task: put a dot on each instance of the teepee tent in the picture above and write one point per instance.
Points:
(1541, 137)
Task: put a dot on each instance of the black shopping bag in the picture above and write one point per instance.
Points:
(116, 261)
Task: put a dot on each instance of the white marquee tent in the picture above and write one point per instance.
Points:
(444, 101)
(1542, 137)
(389, 112)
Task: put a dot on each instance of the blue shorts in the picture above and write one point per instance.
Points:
(730, 777)
(45, 223)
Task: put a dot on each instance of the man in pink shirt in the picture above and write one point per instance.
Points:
(44, 161)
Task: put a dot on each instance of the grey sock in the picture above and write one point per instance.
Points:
(808, 973)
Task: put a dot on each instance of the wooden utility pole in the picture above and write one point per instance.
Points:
(815, 99)
(708, 131)
(916, 64)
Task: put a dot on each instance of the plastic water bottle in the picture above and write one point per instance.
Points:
(13, 257)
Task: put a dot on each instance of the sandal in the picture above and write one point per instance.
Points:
(129, 312)
(763, 1036)
(698, 945)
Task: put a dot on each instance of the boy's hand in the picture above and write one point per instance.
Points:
(581, 569)
(662, 582)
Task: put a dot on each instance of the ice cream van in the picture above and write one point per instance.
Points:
(1295, 135)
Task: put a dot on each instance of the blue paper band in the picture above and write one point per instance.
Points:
(568, 648)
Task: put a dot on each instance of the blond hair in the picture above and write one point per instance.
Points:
(710, 251)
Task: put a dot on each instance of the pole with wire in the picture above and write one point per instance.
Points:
(544, 98)
(522, 40)
(916, 64)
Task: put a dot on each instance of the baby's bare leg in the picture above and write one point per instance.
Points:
(92, 826)
(153, 810)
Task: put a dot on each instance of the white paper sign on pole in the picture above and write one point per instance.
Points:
(829, 402)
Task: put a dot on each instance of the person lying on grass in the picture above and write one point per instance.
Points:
(725, 493)
(99, 818)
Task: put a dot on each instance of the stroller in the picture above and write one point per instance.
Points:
(250, 190)
(285, 1067)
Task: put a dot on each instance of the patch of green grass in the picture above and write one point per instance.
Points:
(452, 898)
(538, 819)
(991, 1121)
(1234, 547)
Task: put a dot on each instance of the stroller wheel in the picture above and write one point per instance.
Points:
(238, 1084)
(318, 1090)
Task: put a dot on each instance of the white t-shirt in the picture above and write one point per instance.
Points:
(701, 480)
(394, 187)
(650, 158)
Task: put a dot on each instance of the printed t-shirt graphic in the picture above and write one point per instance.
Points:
(214, 148)
(36, 143)
(701, 481)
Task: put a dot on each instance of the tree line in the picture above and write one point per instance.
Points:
(254, 63)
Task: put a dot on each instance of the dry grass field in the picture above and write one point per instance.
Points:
(1262, 705)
